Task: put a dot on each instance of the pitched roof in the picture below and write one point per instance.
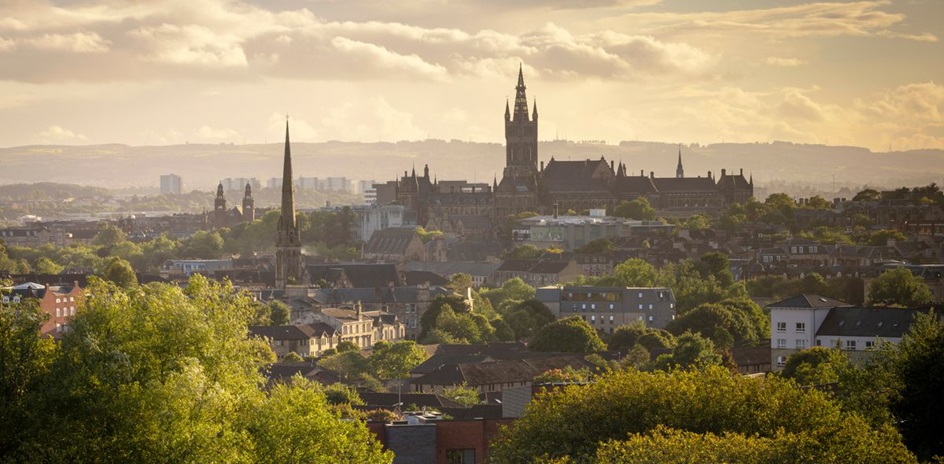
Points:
(361, 275)
(576, 176)
(421, 400)
(733, 181)
(391, 241)
(681, 184)
(808, 301)
(634, 184)
(337, 296)
(867, 322)
(421, 277)
(292, 332)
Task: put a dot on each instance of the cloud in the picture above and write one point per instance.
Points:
(785, 62)
(58, 134)
(231, 39)
(822, 19)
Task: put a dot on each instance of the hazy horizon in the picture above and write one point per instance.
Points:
(168, 72)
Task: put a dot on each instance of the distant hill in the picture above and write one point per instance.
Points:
(202, 166)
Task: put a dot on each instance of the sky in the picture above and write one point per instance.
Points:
(162, 72)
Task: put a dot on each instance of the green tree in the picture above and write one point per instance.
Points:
(600, 245)
(279, 313)
(625, 336)
(527, 317)
(576, 421)
(25, 360)
(202, 245)
(339, 393)
(347, 346)
(639, 209)
(816, 366)
(572, 334)
(152, 371)
(843, 445)
(295, 425)
(513, 290)
(635, 272)
(868, 194)
(389, 361)
(462, 394)
(120, 272)
(691, 351)
(899, 287)
(108, 235)
(916, 364)
(46, 266)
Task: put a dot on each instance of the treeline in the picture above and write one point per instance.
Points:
(160, 374)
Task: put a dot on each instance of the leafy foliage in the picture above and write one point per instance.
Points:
(390, 361)
(571, 334)
(575, 422)
(899, 287)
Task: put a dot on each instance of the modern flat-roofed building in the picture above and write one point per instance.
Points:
(606, 308)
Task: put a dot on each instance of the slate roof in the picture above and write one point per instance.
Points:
(391, 241)
(361, 275)
(449, 268)
(292, 332)
(634, 184)
(533, 266)
(808, 301)
(336, 296)
(733, 181)
(867, 322)
(51, 279)
(684, 184)
(575, 176)
(422, 277)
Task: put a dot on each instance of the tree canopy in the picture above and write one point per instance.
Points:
(573, 425)
(899, 287)
(571, 334)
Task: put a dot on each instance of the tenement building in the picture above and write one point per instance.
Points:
(528, 184)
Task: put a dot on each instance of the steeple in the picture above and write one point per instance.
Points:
(534, 114)
(679, 172)
(507, 111)
(620, 171)
(288, 245)
(521, 98)
(249, 210)
(219, 204)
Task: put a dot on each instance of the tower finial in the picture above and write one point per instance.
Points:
(679, 171)
(521, 98)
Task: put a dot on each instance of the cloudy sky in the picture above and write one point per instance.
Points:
(157, 72)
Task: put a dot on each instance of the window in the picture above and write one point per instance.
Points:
(782, 343)
(640, 306)
(72, 310)
(611, 319)
(801, 327)
(650, 306)
(781, 327)
(640, 294)
(593, 318)
(800, 344)
(781, 360)
(460, 456)
(58, 328)
(850, 344)
(869, 345)
(819, 342)
(58, 312)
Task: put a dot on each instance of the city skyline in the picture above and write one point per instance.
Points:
(217, 71)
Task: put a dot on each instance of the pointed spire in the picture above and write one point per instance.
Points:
(534, 115)
(507, 111)
(248, 190)
(679, 171)
(521, 98)
(219, 190)
(288, 186)
(752, 178)
(426, 171)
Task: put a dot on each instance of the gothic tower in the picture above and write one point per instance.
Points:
(219, 208)
(249, 210)
(521, 135)
(679, 172)
(288, 245)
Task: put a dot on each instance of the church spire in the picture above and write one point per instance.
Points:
(521, 98)
(507, 111)
(288, 245)
(679, 171)
(288, 186)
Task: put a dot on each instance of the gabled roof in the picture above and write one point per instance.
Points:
(733, 181)
(421, 277)
(391, 241)
(867, 322)
(576, 176)
(292, 332)
(361, 275)
(634, 184)
(808, 301)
